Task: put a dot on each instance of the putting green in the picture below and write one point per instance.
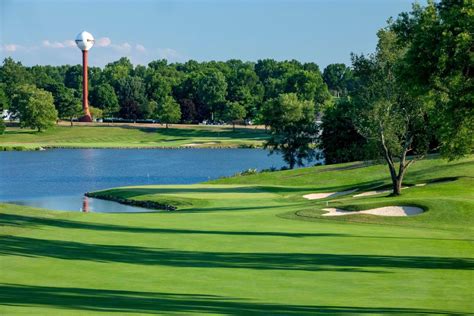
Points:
(251, 245)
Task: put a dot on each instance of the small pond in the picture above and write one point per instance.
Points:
(58, 178)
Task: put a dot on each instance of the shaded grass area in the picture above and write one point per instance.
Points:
(150, 303)
(133, 137)
(234, 248)
(29, 247)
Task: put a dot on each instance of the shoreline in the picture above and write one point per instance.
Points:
(42, 148)
(143, 204)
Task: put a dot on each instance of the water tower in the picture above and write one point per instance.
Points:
(85, 41)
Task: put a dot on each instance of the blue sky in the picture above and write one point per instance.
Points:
(321, 31)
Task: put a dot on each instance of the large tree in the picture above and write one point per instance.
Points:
(211, 90)
(233, 112)
(67, 104)
(293, 128)
(244, 87)
(386, 112)
(103, 97)
(12, 75)
(117, 70)
(439, 66)
(168, 111)
(34, 107)
(340, 140)
(131, 96)
(338, 78)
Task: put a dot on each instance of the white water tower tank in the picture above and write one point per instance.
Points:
(84, 40)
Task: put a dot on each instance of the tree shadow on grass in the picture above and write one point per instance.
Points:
(30, 247)
(37, 222)
(100, 300)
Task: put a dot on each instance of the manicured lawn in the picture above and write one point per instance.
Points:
(251, 245)
(130, 136)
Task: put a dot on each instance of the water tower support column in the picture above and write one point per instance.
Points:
(85, 90)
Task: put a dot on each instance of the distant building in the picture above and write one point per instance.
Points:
(6, 115)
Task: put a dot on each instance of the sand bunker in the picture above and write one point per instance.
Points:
(317, 196)
(381, 211)
(369, 193)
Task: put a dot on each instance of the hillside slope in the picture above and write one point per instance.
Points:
(234, 247)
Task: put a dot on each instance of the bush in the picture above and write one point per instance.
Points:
(13, 148)
(2, 126)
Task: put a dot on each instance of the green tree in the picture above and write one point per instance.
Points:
(338, 78)
(385, 110)
(308, 86)
(339, 140)
(168, 111)
(34, 107)
(65, 101)
(438, 66)
(12, 75)
(293, 128)
(118, 70)
(73, 78)
(96, 113)
(211, 90)
(232, 112)
(2, 125)
(244, 86)
(131, 96)
(67, 105)
(4, 99)
(103, 96)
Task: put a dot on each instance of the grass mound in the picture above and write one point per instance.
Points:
(251, 245)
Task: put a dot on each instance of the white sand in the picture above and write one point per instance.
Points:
(381, 211)
(369, 193)
(317, 196)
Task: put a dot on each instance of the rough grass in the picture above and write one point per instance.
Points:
(251, 245)
(134, 137)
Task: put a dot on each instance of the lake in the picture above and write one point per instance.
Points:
(58, 178)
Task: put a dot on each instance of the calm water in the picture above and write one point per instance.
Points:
(57, 179)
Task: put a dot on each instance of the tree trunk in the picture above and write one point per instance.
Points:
(71, 122)
(166, 125)
(397, 179)
(292, 163)
(397, 186)
(233, 126)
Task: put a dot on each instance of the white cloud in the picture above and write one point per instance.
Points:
(57, 44)
(69, 43)
(103, 42)
(169, 54)
(48, 44)
(10, 47)
(124, 47)
(140, 48)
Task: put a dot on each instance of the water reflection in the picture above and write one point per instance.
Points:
(74, 203)
(85, 205)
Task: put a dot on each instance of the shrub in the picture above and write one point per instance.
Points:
(2, 126)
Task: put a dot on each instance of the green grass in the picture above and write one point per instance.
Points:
(133, 137)
(251, 245)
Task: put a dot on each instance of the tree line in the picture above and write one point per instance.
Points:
(190, 92)
(412, 96)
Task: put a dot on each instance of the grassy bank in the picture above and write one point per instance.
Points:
(133, 136)
(251, 245)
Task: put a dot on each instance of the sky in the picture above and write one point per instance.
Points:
(320, 31)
